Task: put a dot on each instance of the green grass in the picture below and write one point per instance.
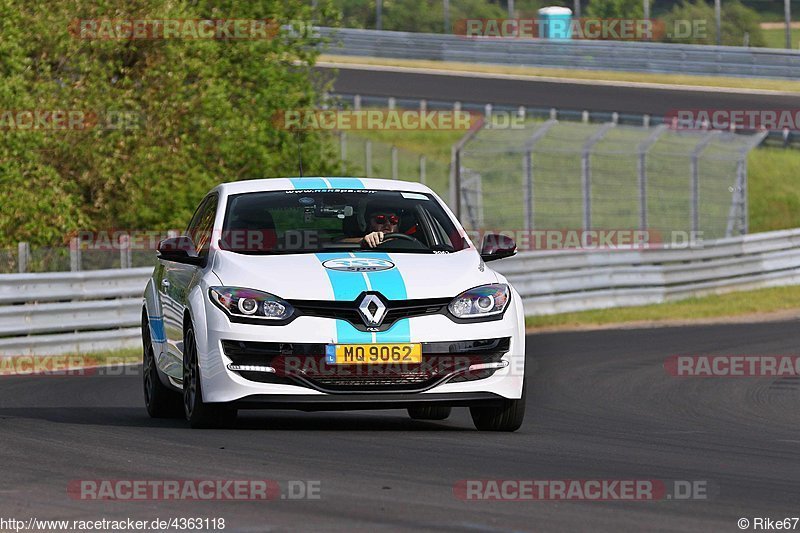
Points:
(722, 305)
(776, 38)
(774, 189)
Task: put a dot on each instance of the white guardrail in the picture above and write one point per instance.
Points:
(71, 312)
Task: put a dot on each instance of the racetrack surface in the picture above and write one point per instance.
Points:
(600, 406)
(547, 94)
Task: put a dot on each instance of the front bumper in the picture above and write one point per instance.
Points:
(221, 384)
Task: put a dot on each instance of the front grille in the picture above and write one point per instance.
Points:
(395, 310)
(304, 364)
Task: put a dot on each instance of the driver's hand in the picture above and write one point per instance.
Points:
(374, 239)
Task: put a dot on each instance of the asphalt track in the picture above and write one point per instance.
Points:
(547, 94)
(601, 406)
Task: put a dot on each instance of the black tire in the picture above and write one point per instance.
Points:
(199, 414)
(507, 416)
(430, 412)
(160, 401)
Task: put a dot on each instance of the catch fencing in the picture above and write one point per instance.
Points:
(552, 175)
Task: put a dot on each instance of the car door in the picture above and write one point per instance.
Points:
(177, 280)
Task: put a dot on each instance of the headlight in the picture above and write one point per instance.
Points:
(486, 300)
(249, 303)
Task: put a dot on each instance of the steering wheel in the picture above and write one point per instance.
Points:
(397, 236)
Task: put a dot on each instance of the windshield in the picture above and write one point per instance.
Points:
(309, 221)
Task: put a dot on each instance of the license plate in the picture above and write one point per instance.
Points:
(373, 354)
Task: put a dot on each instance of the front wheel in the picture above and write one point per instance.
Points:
(198, 413)
(507, 416)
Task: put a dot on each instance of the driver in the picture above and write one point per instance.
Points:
(380, 222)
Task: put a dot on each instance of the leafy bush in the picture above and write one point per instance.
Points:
(202, 113)
(736, 19)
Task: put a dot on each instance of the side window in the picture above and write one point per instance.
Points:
(202, 225)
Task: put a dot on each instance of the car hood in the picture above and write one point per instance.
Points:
(303, 276)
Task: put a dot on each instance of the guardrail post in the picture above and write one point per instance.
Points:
(422, 177)
(124, 251)
(585, 117)
(367, 158)
(394, 162)
(392, 103)
(343, 149)
(23, 254)
(423, 106)
(553, 113)
(74, 254)
(357, 102)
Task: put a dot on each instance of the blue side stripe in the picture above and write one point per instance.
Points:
(308, 183)
(346, 183)
(157, 329)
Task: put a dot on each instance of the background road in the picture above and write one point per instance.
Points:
(545, 94)
(601, 406)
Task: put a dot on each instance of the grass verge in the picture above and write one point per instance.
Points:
(730, 305)
(594, 75)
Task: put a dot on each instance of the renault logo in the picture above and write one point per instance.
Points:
(372, 310)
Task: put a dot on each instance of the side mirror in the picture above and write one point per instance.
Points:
(180, 250)
(497, 246)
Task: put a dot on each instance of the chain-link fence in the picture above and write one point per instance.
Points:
(552, 175)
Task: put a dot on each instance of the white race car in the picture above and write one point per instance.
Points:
(329, 294)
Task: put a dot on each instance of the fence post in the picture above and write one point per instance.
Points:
(644, 147)
(74, 254)
(586, 173)
(527, 165)
(422, 177)
(368, 158)
(394, 162)
(23, 253)
(694, 190)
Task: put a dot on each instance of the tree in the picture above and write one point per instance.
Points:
(615, 9)
(197, 112)
(736, 19)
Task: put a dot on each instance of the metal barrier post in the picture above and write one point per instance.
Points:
(368, 158)
(394, 162)
(74, 254)
(422, 177)
(23, 253)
